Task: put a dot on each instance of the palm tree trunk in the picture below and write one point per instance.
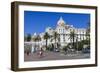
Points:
(77, 43)
(46, 44)
(55, 42)
(73, 41)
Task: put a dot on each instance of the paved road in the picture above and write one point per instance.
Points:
(54, 56)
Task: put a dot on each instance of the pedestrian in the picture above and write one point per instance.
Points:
(28, 52)
(41, 53)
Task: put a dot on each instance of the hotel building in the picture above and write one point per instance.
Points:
(63, 31)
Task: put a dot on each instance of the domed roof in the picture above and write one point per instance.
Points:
(48, 29)
(35, 34)
(61, 22)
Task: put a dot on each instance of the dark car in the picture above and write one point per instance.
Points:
(56, 50)
(86, 50)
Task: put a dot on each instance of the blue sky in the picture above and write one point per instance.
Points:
(38, 21)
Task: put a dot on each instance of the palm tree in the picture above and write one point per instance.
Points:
(77, 42)
(36, 39)
(88, 34)
(29, 37)
(56, 37)
(46, 37)
(72, 37)
(25, 38)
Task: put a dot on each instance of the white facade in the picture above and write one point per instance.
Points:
(63, 30)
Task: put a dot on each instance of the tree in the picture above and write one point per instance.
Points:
(46, 37)
(72, 38)
(25, 38)
(76, 46)
(36, 39)
(88, 34)
(55, 35)
(29, 37)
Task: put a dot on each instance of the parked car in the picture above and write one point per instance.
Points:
(56, 50)
(86, 50)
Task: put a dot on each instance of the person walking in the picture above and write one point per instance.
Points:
(41, 53)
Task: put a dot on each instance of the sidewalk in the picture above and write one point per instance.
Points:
(54, 56)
